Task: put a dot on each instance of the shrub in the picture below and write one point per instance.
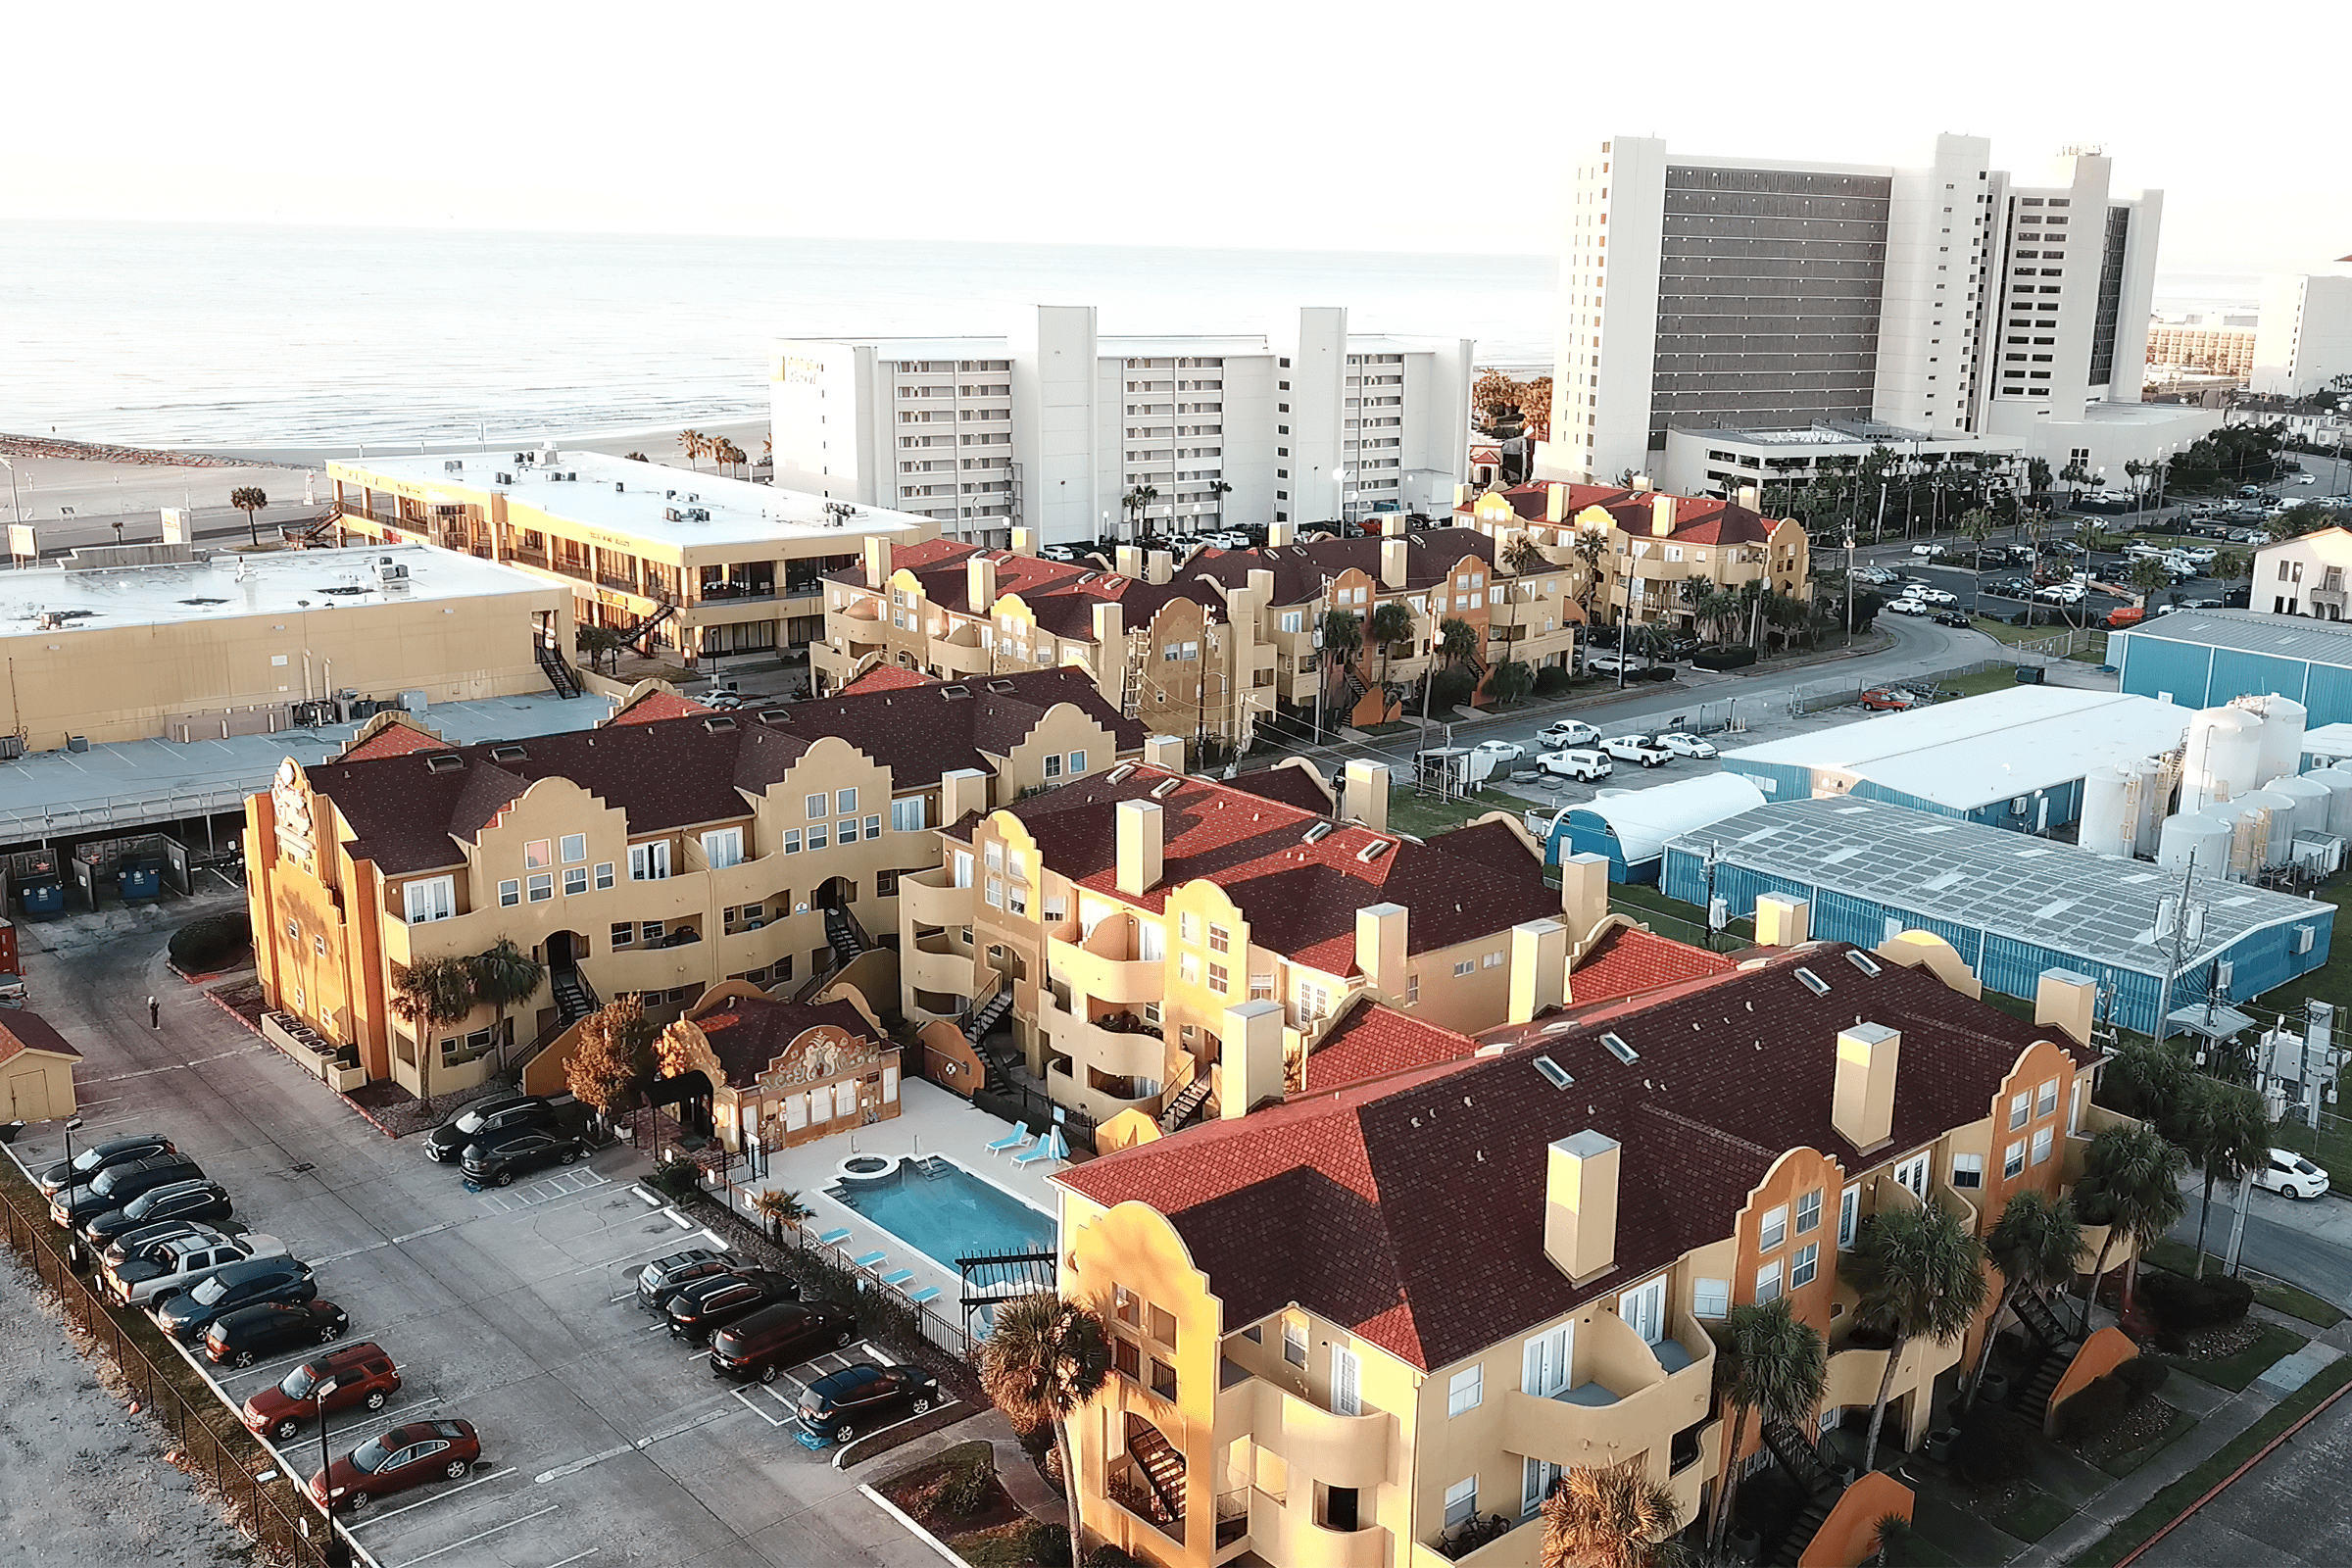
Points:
(969, 1487)
(1994, 1445)
(2182, 1305)
(1049, 1544)
(1729, 657)
(2142, 1376)
(1110, 1556)
(2091, 1409)
(678, 1177)
(1551, 682)
(212, 943)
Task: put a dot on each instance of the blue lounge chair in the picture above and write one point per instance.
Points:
(869, 1260)
(897, 1277)
(929, 1293)
(1044, 1150)
(835, 1238)
(1019, 1138)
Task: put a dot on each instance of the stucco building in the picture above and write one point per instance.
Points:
(2303, 575)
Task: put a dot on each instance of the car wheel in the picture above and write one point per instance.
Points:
(844, 1337)
(768, 1373)
(356, 1501)
(921, 1404)
(456, 1469)
(284, 1431)
(506, 1178)
(844, 1432)
(329, 1334)
(568, 1156)
(241, 1359)
(375, 1399)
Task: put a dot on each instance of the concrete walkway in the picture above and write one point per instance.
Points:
(1022, 1482)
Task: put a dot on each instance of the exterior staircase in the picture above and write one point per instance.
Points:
(573, 1000)
(981, 1019)
(841, 931)
(559, 674)
(1184, 1097)
(1163, 1469)
(2041, 1320)
(2058, 1344)
(1798, 1456)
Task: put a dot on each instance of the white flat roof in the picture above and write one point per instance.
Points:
(224, 585)
(2006, 743)
(741, 512)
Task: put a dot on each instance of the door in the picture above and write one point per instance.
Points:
(1913, 1173)
(28, 1096)
(1644, 1310)
(1346, 1374)
(1544, 1364)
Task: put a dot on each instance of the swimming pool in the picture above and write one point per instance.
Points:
(945, 1213)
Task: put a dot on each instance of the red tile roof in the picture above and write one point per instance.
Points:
(749, 1033)
(1375, 1041)
(396, 739)
(1300, 898)
(1411, 1209)
(1697, 520)
(1627, 961)
(886, 678)
(658, 705)
(22, 1031)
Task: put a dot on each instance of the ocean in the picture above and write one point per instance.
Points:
(246, 337)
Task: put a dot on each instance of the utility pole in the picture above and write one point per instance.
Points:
(2183, 916)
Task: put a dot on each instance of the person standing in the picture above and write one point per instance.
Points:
(155, 1013)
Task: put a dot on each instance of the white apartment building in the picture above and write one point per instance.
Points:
(2304, 339)
(1053, 426)
(1947, 301)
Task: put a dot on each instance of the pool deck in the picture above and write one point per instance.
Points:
(930, 1121)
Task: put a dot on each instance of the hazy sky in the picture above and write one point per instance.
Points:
(1241, 122)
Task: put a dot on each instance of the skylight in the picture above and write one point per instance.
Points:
(1619, 1049)
(1165, 788)
(1315, 834)
(1862, 961)
(508, 753)
(446, 763)
(1813, 982)
(1553, 1073)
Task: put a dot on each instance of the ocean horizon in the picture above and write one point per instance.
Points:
(244, 335)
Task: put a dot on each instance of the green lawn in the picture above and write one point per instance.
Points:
(2234, 1372)
(1672, 917)
(1422, 815)
(2298, 1303)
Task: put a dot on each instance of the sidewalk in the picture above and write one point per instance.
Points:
(1022, 1482)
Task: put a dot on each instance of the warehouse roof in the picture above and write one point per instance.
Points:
(1643, 820)
(2005, 743)
(1940, 872)
(2250, 631)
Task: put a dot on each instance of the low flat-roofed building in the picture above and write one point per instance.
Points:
(132, 641)
(2203, 658)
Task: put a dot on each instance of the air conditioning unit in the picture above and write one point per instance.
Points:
(453, 466)
(573, 475)
(506, 478)
(671, 515)
(2305, 936)
(669, 495)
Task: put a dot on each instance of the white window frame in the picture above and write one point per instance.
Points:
(575, 880)
(813, 807)
(1346, 1382)
(2044, 1139)
(2021, 1105)
(1768, 1283)
(604, 874)
(1545, 1361)
(2013, 1159)
(429, 899)
(1913, 1174)
(542, 886)
(1808, 1211)
(2045, 1100)
(1294, 1343)
(910, 813)
(1644, 1308)
(1462, 1501)
(574, 846)
(1771, 1230)
(1849, 1216)
(510, 892)
(845, 801)
(1536, 1478)
(1465, 1389)
(1711, 1298)
(1805, 1262)
(1970, 1165)
(649, 862)
(1077, 764)
(723, 847)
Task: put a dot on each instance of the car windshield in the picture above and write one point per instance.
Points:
(2305, 1167)
(209, 1292)
(87, 1159)
(299, 1382)
(471, 1123)
(369, 1456)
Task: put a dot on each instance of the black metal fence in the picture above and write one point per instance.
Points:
(285, 1529)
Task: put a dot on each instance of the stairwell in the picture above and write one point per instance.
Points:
(2058, 1342)
(1184, 1096)
(841, 931)
(561, 676)
(1163, 1469)
(1798, 1456)
(573, 1000)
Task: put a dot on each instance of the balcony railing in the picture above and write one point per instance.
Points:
(1340, 1450)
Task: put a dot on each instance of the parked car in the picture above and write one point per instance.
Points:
(361, 1375)
(131, 1244)
(484, 1120)
(114, 1186)
(1935, 596)
(250, 1333)
(1576, 763)
(1682, 743)
(1929, 552)
(166, 1270)
(1953, 618)
(179, 1201)
(777, 1337)
(1566, 732)
(186, 1316)
(1912, 606)
(401, 1458)
(861, 1397)
(1610, 663)
(2291, 1174)
(709, 1304)
(1501, 750)
(664, 1277)
(1058, 553)
(497, 1164)
(1642, 749)
(84, 1167)
(1889, 699)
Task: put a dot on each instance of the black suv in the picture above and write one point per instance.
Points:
(86, 1165)
(191, 1200)
(483, 1122)
(863, 1397)
(187, 1315)
(712, 1303)
(497, 1163)
(664, 1277)
(118, 1185)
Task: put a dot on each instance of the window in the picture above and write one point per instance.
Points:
(1711, 1298)
(1219, 979)
(510, 894)
(2046, 1101)
(1968, 1170)
(1544, 1361)
(2018, 1103)
(1163, 1379)
(625, 933)
(651, 931)
(1261, 988)
(1052, 764)
(1126, 1358)
(846, 830)
(604, 873)
(433, 899)
(1188, 965)
(816, 837)
(1294, 1343)
(575, 880)
(1464, 1389)
(845, 799)
(1077, 764)
(2042, 1136)
(2013, 1158)
(537, 854)
(1773, 1229)
(1188, 927)
(814, 805)
(1536, 1478)
(1220, 940)
(1804, 1265)
(906, 814)
(543, 886)
(1462, 1501)
(994, 893)
(1466, 967)
(723, 848)
(1849, 1214)
(1768, 1282)
(790, 844)
(1913, 1173)
(648, 863)
(576, 848)
(1808, 1211)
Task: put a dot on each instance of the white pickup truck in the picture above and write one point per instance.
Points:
(169, 1267)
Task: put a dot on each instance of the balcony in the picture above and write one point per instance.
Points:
(1624, 1397)
(1107, 965)
(1103, 1042)
(927, 899)
(1067, 1090)
(938, 963)
(959, 658)
(1317, 1444)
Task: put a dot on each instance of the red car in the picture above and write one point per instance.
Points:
(1888, 698)
(401, 1458)
(364, 1375)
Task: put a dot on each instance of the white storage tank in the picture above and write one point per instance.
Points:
(2204, 837)
(2283, 724)
(2273, 818)
(2149, 788)
(2311, 802)
(2109, 825)
(2338, 781)
(2223, 757)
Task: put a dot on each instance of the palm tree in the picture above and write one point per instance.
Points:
(2034, 1244)
(249, 498)
(2225, 1133)
(2151, 577)
(781, 1208)
(502, 976)
(1043, 1360)
(1612, 1518)
(1891, 1531)
(429, 993)
(692, 442)
(2132, 1175)
(1509, 681)
(1343, 638)
(1922, 1276)
(1137, 501)
(1975, 526)
(1772, 1362)
(1592, 548)
(1390, 623)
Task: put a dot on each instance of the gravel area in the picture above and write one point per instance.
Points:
(83, 1482)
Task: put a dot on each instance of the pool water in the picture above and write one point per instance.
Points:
(945, 1213)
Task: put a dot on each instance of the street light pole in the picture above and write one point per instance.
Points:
(1849, 588)
(337, 1553)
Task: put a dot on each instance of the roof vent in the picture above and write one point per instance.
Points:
(1000, 685)
(1374, 850)
(1553, 1073)
(1120, 773)
(1317, 833)
(1165, 788)
(719, 723)
(1813, 982)
(508, 753)
(775, 715)
(953, 692)
(1619, 1049)
(1862, 961)
(446, 763)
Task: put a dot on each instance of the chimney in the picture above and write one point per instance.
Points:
(1539, 968)
(877, 561)
(1127, 560)
(1024, 541)
(960, 793)
(1583, 893)
(1164, 751)
(2066, 1001)
(1364, 793)
(1139, 847)
(1579, 1205)
(1110, 625)
(1641, 484)
(1555, 502)
(1462, 495)
(980, 574)
(1862, 1105)
(1783, 921)
(1157, 567)
(1250, 1058)
(1261, 586)
(1280, 534)
(1391, 524)
(1391, 563)
(1661, 516)
(1380, 949)
(1751, 498)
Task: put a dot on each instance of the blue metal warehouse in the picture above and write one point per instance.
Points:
(2204, 657)
(2012, 908)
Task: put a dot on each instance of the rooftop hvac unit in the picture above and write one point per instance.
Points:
(2305, 936)
(522, 459)
(669, 495)
(571, 475)
(506, 478)
(698, 513)
(671, 515)
(454, 465)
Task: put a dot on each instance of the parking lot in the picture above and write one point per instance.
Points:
(513, 1309)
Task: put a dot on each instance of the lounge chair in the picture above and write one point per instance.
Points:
(1044, 1150)
(1019, 1138)
(869, 1260)
(897, 1277)
(835, 1238)
(929, 1293)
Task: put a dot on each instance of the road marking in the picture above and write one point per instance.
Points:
(575, 1558)
(351, 1523)
(677, 1429)
(634, 1251)
(578, 1465)
(483, 1536)
(177, 1067)
(743, 1395)
(651, 1202)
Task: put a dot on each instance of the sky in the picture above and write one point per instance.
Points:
(1279, 124)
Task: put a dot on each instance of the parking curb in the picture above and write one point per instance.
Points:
(917, 1530)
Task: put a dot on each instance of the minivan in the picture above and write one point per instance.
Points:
(776, 1336)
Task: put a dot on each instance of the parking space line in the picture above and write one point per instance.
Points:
(842, 1452)
(482, 1536)
(575, 1558)
(634, 1251)
(578, 1465)
(753, 1405)
(426, 1502)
